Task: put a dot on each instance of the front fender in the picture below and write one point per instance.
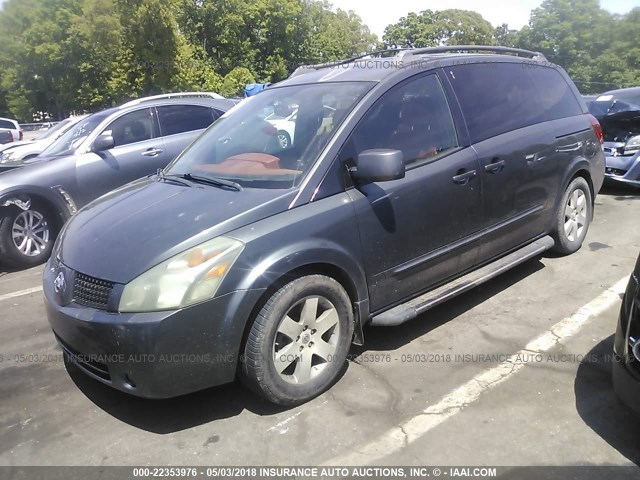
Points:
(22, 196)
(320, 237)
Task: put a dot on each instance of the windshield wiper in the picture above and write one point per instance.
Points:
(216, 182)
(171, 177)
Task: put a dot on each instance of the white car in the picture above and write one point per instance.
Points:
(14, 126)
(284, 120)
(285, 124)
(17, 152)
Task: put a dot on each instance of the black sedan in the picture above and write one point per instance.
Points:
(626, 367)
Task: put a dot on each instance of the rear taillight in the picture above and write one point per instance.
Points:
(21, 134)
(595, 124)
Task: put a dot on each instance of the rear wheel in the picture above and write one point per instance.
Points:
(284, 139)
(573, 217)
(26, 236)
(299, 341)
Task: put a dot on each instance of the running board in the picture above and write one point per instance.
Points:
(413, 308)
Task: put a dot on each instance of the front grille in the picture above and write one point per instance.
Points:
(91, 292)
(85, 362)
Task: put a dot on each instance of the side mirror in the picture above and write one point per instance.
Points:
(379, 165)
(103, 142)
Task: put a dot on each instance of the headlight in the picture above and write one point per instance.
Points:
(187, 278)
(632, 145)
(7, 157)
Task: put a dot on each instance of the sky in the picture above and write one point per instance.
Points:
(515, 13)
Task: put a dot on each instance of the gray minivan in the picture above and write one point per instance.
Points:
(409, 180)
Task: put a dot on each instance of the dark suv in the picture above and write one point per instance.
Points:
(101, 152)
(408, 180)
(626, 365)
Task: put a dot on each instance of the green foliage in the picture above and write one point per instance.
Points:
(235, 80)
(445, 27)
(59, 56)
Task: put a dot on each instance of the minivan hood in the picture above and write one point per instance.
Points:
(126, 232)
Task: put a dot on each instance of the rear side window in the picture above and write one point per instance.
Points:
(499, 97)
(7, 124)
(176, 119)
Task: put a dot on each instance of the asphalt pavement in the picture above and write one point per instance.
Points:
(445, 389)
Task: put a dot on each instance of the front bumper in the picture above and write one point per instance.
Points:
(623, 169)
(153, 355)
(626, 364)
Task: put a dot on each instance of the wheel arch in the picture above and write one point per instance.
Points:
(327, 268)
(26, 196)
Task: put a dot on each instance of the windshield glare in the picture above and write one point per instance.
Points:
(273, 139)
(72, 138)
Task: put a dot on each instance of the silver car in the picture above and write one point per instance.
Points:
(100, 153)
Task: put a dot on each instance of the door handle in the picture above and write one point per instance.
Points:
(152, 152)
(495, 166)
(463, 177)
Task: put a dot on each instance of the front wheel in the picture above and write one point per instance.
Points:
(26, 236)
(573, 217)
(299, 341)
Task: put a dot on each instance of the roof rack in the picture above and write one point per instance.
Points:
(475, 48)
(165, 96)
(305, 68)
(409, 51)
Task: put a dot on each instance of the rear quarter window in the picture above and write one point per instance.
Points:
(500, 97)
(176, 119)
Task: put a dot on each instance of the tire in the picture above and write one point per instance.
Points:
(24, 251)
(284, 140)
(275, 365)
(573, 217)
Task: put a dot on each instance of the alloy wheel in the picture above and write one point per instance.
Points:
(30, 233)
(575, 215)
(306, 340)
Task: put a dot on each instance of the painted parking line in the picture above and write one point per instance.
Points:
(20, 293)
(399, 437)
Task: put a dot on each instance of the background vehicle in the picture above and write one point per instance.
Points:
(99, 153)
(6, 137)
(618, 112)
(13, 126)
(13, 156)
(626, 367)
(416, 185)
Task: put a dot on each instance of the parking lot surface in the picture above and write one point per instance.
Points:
(445, 389)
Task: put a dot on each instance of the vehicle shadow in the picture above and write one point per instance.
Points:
(620, 191)
(5, 270)
(379, 338)
(599, 407)
(175, 414)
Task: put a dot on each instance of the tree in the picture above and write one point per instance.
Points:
(235, 80)
(446, 27)
(571, 33)
(504, 36)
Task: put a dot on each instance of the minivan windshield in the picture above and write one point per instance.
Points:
(72, 138)
(273, 139)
